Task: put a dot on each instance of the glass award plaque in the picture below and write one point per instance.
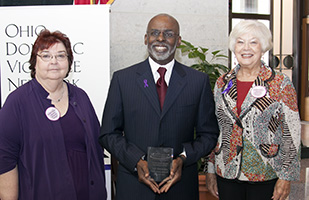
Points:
(159, 162)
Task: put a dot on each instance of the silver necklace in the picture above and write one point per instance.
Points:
(59, 99)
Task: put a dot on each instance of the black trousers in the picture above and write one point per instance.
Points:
(245, 190)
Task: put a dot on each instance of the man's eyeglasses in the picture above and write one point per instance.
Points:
(47, 57)
(166, 34)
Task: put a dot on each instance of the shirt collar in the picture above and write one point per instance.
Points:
(155, 66)
(38, 87)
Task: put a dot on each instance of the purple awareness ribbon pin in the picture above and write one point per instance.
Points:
(145, 81)
(228, 87)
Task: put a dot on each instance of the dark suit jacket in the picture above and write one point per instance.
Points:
(133, 121)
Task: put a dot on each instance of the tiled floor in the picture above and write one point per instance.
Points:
(300, 189)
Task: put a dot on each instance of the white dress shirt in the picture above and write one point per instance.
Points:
(155, 66)
(169, 68)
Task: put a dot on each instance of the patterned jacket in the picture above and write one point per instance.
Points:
(263, 142)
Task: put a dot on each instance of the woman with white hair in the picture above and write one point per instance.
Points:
(258, 150)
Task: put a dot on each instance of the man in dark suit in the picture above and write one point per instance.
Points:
(135, 118)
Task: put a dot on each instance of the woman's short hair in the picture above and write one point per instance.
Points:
(45, 40)
(254, 27)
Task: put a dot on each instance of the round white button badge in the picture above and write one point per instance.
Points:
(258, 91)
(52, 113)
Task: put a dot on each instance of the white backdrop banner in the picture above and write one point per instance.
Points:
(87, 26)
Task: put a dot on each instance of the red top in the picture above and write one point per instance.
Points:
(243, 88)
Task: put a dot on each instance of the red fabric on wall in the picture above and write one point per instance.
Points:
(83, 2)
(80, 2)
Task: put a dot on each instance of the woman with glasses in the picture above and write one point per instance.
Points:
(49, 131)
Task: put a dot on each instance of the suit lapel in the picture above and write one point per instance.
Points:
(146, 83)
(176, 84)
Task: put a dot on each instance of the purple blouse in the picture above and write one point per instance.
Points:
(75, 145)
(36, 145)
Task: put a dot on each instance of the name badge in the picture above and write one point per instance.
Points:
(52, 113)
(258, 91)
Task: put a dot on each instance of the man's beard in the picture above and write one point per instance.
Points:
(161, 56)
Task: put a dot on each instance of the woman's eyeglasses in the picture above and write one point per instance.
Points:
(47, 57)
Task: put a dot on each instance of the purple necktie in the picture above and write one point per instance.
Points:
(161, 86)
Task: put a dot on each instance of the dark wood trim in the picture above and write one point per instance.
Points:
(250, 16)
(297, 48)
